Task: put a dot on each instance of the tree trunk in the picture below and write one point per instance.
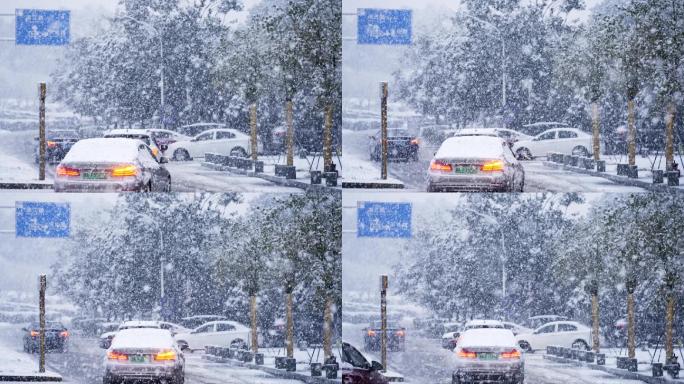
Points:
(669, 135)
(596, 131)
(669, 321)
(595, 322)
(631, 344)
(631, 133)
(290, 134)
(327, 327)
(290, 327)
(327, 136)
(253, 130)
(253, 313)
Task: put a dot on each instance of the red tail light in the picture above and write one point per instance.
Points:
(51, 144)
(63, 170)
(35, 333)
(466, 354)
(125, 170)
(440, 166)
(401, 333)
(512, 354)
(167, 355)
(493, 166)
(64, 333)
(415, 141)
(114, 355)
(371, 332)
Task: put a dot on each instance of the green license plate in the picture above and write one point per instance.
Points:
(137, 359)
(94, 175)
(487, 356)
(465, 170)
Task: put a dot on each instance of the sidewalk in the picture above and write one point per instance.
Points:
(19, 366)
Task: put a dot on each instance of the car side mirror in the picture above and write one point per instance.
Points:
(163, 147)
(375, 366)
(163, 160)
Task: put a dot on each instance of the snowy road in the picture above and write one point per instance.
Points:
(17, 164)
(424, 361)
(538, 178)
(82, 364)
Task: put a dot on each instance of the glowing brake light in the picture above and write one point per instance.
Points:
(415, 141)
(371, 332)
(167, 355)
(512, 354)
(155, 151)
(64, 333)
(125, 170)
(35, 333)
(63, 170)
(440, 166)
(493, 166)
(466, 354)
(114, 355)
(401, 333)
(51, 144)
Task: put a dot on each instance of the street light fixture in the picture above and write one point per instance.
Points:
(161, 64)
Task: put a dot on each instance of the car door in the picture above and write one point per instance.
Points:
(543, 143)
(567, 141)
(202, 144)
(544, 337)
(202, 336)
(566, 334)
(225, 333)
(225, 142)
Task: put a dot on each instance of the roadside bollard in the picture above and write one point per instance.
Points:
(280, 362)
(316, 177)
(600, 359)
(633, 172)
(589, 357)
(258, 166)
(621, 362)
(567, 160)
(588, 164)
(247, 356)
(600, 165)
(575, 161)
(259, 358)
(657, 369)
(291, 364)
(331, 367)
(673, 178)
(658, 176)
(331, 179)
(622, 169)
(632, 365)
(316, 369)
(239, 355)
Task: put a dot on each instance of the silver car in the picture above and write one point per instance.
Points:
(475, 163)
(488, 355)
(144, 354)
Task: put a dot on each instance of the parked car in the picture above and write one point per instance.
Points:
(396, 337)
(401, 145)
(111, 165)
(229, 142)
(488, 355)
(143, 135)
(192, 322)
(570, 334)
(475, 163)
(57, 145)
(165, 137)
(107, 332)
(224, 332)
(568, 141)
(450, 337)
(144, 354)
(356, 369)
(107, 337)
(56, 337)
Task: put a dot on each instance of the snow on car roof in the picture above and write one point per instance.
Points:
(139, 324)
(233, 323)
(479, 147)
(117, 132)
(487, 337)
(488, 323)
(138, 338)
(103, 150)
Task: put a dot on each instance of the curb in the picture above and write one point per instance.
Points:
(31, 378)
(616, 179)
(20, 185)
(370, 185)
(273, 179)
(621, 373)
(275, 372)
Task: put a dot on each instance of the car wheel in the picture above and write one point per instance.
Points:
(524, 154)
(181, 155)
(183, 346)
(431, 188)
(580, 151)
(168, 185)
(525, 346)
(580, 344)
(238, 343)
(238, 152)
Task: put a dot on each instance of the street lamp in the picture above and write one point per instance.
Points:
(161, 64)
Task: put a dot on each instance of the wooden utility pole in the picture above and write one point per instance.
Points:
(41, 320)
(327, 327)
(383, 320)
(289, 322)
(596, 131)
(327, 137)
(253, 130)
(631, 132)
(669, 136)
(253, 313)
(596, 347)
(631, 342)
(41, 131)
(383, 129)
(290, 134)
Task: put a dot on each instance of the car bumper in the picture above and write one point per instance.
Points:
(468, 183)
(141, 371)
(50, 343)
(490, 372)
(96, 186)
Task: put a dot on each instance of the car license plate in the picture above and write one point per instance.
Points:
(137, 358)
(487, 356)
(94, 175)
(465, 170)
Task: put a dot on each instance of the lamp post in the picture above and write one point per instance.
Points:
(161, 63)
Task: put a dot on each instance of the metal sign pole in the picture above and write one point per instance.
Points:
(383, 320)
(383, 129)
(41, 131)
(41, 293)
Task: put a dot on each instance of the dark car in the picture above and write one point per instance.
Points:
(357, 370)
(372, 337)
(401, 146)
(56, 336)
(112, 165)
(57, 145)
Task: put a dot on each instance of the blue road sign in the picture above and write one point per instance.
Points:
(376, 219)
(384, 26)
(42, 27)
(38, 219)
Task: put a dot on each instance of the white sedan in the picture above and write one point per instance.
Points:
(568, 141)
(223, 333)
(569, 334)
(220, 141)
(489, 354)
